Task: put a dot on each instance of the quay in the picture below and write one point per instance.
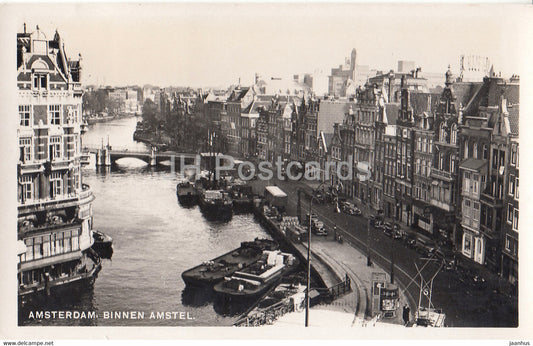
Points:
(332, 265)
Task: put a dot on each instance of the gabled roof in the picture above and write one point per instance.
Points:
(255, 106)
(238, 94)
(421, 102)
(68, 69)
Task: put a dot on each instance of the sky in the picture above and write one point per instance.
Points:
(216, 44)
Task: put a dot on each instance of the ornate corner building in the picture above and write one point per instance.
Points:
(54, 206)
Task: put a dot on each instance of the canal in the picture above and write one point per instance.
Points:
(155, 240)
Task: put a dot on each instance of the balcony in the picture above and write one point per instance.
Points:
(82, 196)
(49, 260)
(491, 200)
(442, 205)
(442, 175)
(445, 144)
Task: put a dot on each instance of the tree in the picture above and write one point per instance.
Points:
(150, 116)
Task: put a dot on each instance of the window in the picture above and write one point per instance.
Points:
(515, 220)
(40, 81)
(510, 213)
(485, 152)
(417, 166)
(25, 115)
(466, 182)
(25, 149)
(474, 153)
(476, 211)
(452, 164)
(516, 189)
(495, 158)
(54, 114)
(26, 183)
(513, 155)
(466, 150)
(467, 244)
(55, 147)
(454, 134)
(442, 135)
(430, 146)
(55, 184)
(511, 185)
(441, 161)
(502, 158)
(507, 243)
(475, 183)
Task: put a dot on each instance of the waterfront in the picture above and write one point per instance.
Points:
(155, 240)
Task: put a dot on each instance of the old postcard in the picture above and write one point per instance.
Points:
(350, 168)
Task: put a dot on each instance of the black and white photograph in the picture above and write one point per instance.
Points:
(291, 168)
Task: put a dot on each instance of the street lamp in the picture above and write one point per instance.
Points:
(307, 297)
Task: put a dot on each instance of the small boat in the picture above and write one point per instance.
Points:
(215, 204)
(214, 271)
(254, 280)
(242, 196)
(103, 244)
(187, 194)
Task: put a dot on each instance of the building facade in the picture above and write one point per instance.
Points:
(54, 206)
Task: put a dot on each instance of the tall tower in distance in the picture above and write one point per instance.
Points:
(353, 58)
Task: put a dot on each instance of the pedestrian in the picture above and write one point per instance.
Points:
(406, 314)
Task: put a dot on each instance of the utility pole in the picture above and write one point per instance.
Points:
(392, 260)
(299, 207)
(368, 259)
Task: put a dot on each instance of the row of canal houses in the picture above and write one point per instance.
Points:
(444, 163)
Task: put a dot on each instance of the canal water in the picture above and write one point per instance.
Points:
(155, 239)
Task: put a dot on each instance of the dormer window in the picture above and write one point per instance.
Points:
(40, 81)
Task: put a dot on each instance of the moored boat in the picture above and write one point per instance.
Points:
(215, 204)
(103, 244)
(187, 194)
(254, 280)
(213, 271)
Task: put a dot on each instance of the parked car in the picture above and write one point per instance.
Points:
(410, 240)
(387, 229)
(350, 209)
(426, 247)
(314, 217)
(397, 232)
(379, 224)
(376, 220)
(318, 228)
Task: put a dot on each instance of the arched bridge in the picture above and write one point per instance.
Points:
(107, 155)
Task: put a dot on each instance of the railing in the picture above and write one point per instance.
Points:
(437, 173)
(268, 315)
(331, 293)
